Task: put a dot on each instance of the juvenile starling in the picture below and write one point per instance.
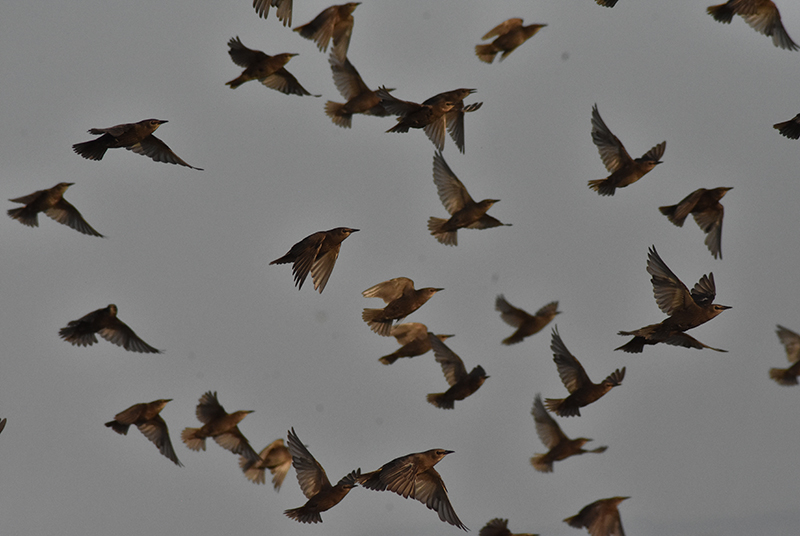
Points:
(704, 205)
(105, 323)
(499, 527)
(360, 99)
(316, 253)
(315, 484)
(686, 309)
(601, 518)
(53, 204)
(334, 22)
(790, 128)
(465, 213)
(525, 323)
(791, 342)
(414, 339)
(221, 426)
(284, 12)
(275, 457)
(266, 69)
(461, 384)
(510, 34)
(761, 15)
(413, 476)
(146, 418)
(401, 299)
(560, 446)
(582, 391)
(624, 169)
(136, 137)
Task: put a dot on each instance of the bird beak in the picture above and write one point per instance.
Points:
(725, 307)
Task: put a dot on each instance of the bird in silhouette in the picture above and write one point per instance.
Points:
(315, 484)
(707, 211)
(601, 518)
(510, 34)
(790, 128)
(284, 12)
(791, 342)
(136, 137)
(222, 426)
(275, 457)
(582, 391)
(360, 99)
(624, 169)
(526, 324)
(761, 15)
(401, 299)
(3, 422)
(413, 476)
(269, 70)
(686, 309)
(413, 337)
(334, 22)
(499, 527)
(53, 204)
(104, 322)
(606, 3)
(317, 254)
(461, 384)
(146, 418)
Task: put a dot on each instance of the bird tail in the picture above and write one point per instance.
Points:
(91, 150)
(71, 334)
(557, 406)
(256, 475)
(439, 400)
(721, 13)
(189, 436)
(118, 427)
(616, 377)
(236, 82)
(339, 117)
(381, 327)
(634, 346)
(389, 359)
(401, 126)
(486, 53)
(436, 227)
(24, 216)
(540, 463)
(304, 515)
(782, 376)
(513, 339)
(602, 186)
(669, 212)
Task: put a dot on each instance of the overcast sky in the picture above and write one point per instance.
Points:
(704, 442)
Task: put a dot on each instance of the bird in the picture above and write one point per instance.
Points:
(499, 527)
(317, 254)
(560, 446)
(50, 201)
(791, 342)
(582, 391)
(401, 299)
(686, 309)
(510, 34)
(606, 3)
(761, 15)
(790, 128)
(461, 384)
(3, 422)
(413, 476)
(601, 518)
(414, 339)
(222, 426)
(334, 22)
(707, 211)
(104, 322)
(360, 99)
(269, 70)
(315, 484)
(525, 323)
(284, 12)
(465, 213)
(146, 418)
(275, 457)
(624, 169)
(136, 137)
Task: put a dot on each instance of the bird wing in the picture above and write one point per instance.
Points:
(435, 131)
(710, 221)
(791, 342)
(429, 489)
(209, 408)
(130, 415)
(704, 290)
(397, 476)
(655, 153)
(511, 315)
(495, 527)
(310, 474)
(235, 441)
(64, 212)
(243, 56)
(389, 290)
(156, 431)
(503, 28)
(394, 105)
(486, 222)
(765, 18)
(685, 340)
(452, 192)
(116, 130)
(118, 332)
(546, 427)
(670, 293)
(25, 199)
(410, 331)
(156, 149)
(571, 372)
(547, 310)
(452, 365)
(685, 207)
(283, 81)
(307, 250)
(323, 266)
(346, 78)
(611, 150)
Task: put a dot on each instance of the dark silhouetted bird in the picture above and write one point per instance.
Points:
(560, 446)
(275, 457)
(317, 254)
(413, 476)
(582, 391)
(686, 309)
(761, 15)
(136, 137)
(146, 418)
(499, 527)
(3, 424)
(791, 342)
(601, 518)
(624, 169)
(414, 339)
(105, 323)
(334, 22)
(790, 128)
(221, 426)
(284, 12)
(266, 69)
(315, 484)
(53, 204)
(360, 99)
(401, 299)
(510, 34)
(525, 323)
(704, 205)
(606, 3)
(461, 384)
(465, 213)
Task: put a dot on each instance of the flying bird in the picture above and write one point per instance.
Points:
(401, 298)
(269, 70)
(413, 337)
(146, 417)
(606, 3)
(526, 324)
(284, 12)
(275, 457)
(334, 22)
(791, 342)
(601, 518)
(53, 204)
(220, 425)
(707, 211)
(510, 34)
(360, 99)
(790, 128)
(761, 15)
(316, 254)
(104, 322)
(461, 384)
(499, 527)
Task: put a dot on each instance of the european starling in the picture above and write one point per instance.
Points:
(790, 128)
(414, 339)
(221, 426)
(686, 309)
(704, 205)
(105, 323)
(275, 457)
(582, 391)
(413, 476)
(334, 22)
(284, 12)
(560, 446)
(791, 342)
(401, 299)
(136, 137)
(761, 15)
(53, 204)
(360, 99)
(465, 213)
(266, 69)
(499, 527)
(525, 323)
(315, 484)
(606, 3)
(461, 384)
(601, 518)
(624, 169)
(510, 34)
(146, 418)
(317, 254)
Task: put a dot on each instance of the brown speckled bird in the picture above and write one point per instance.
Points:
(275, 457)
(316, 254)
(146, 418)
(360, 99)
(790, 128)
(334, 22)
(220, 425)
(284, 12)
(105, 323)
(413, 337)
(510, 34)
(53, 204)
(269, 70)
(791, 342)
(499, 527)
(761, 15)
(461, 384)
(707, 211)
(601, 518)
(525, 323)
(401, 299)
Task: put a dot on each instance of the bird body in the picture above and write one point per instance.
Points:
(53, 204)
(401, 299)
(707, 211)
(601, 518)
(104, 322)
(275, 457)
(360, 99)
(525, 323)
(510, 34)
(316, 254)
(221, 426)
(461, 384)
(334, 22)
(414, 339)
(791, 343)
(761, 15)
(269, 70)
(146, 417)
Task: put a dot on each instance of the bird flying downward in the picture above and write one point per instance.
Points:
(525, 323)
(220, 425)
(499, 527)
(761, 15)
(266, 69)
(707, 211)
(414, 339)
(791, 343)
(360, 99)
(601, 518)
(146, 418)
(316, 254)
(275, 457)
(461, 384)
(334, 22)
(284, 12)
(510, 34)
(104, 322)
(401, 298)
(53, 204)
